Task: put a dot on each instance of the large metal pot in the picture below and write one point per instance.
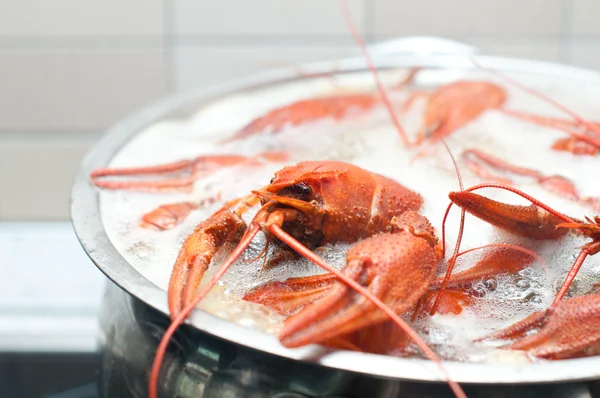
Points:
(213, 357)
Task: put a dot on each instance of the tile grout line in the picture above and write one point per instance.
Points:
(369, 20)
(81, 42)
(17, 134)
(566, 32)
(169, 50)
(172, 40)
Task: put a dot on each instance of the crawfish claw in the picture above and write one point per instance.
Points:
(293, 294)
(378, 263)
(571, 329)
(519, 329)
(168, 216)
(452, 302)
(196, 254)
(528, 221)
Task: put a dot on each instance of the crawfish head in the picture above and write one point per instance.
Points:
(335, 201)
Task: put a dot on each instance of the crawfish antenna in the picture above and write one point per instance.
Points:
(460, 184)
(185, 312)
(458, 175)
(382, 91)
(505, 246)
(452, 261)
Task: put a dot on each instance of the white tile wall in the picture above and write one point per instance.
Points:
(537, 48)
(584, 18)
(76, 18)
(585, 53)
(224, 63)
(55, 90)
(467, 17)
(36, 173)
(77, 67)
(265, 17)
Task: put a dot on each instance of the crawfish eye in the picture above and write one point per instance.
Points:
(300, 191)
(272, 179)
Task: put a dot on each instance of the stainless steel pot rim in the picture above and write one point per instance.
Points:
(90, 231)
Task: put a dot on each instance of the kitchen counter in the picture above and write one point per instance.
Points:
(50, 290)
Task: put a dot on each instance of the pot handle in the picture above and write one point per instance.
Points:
(422, 45)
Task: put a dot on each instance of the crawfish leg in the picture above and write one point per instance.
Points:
(550, 121)
(589, 249)
(293, 294)
(197, 253)
(500, 260)
(174, 183)
(575, 146)
(189, 171)
(586, 144)
(476, 159)
(481, 163)
(174, 167)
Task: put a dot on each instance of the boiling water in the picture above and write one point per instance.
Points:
(370, 141)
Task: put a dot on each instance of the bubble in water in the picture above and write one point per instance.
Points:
(573, 289)
(141, 249)
(523, 284)
(245, 321)
(491, 284)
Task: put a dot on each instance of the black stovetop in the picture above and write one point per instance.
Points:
(55, 375)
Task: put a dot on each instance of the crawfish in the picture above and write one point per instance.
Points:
(308, 201)
(390, 268)
(336, 107)
(452, 106)
(569, 327)
(308, 205)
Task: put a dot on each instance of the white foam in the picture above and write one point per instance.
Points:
(369, 141)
